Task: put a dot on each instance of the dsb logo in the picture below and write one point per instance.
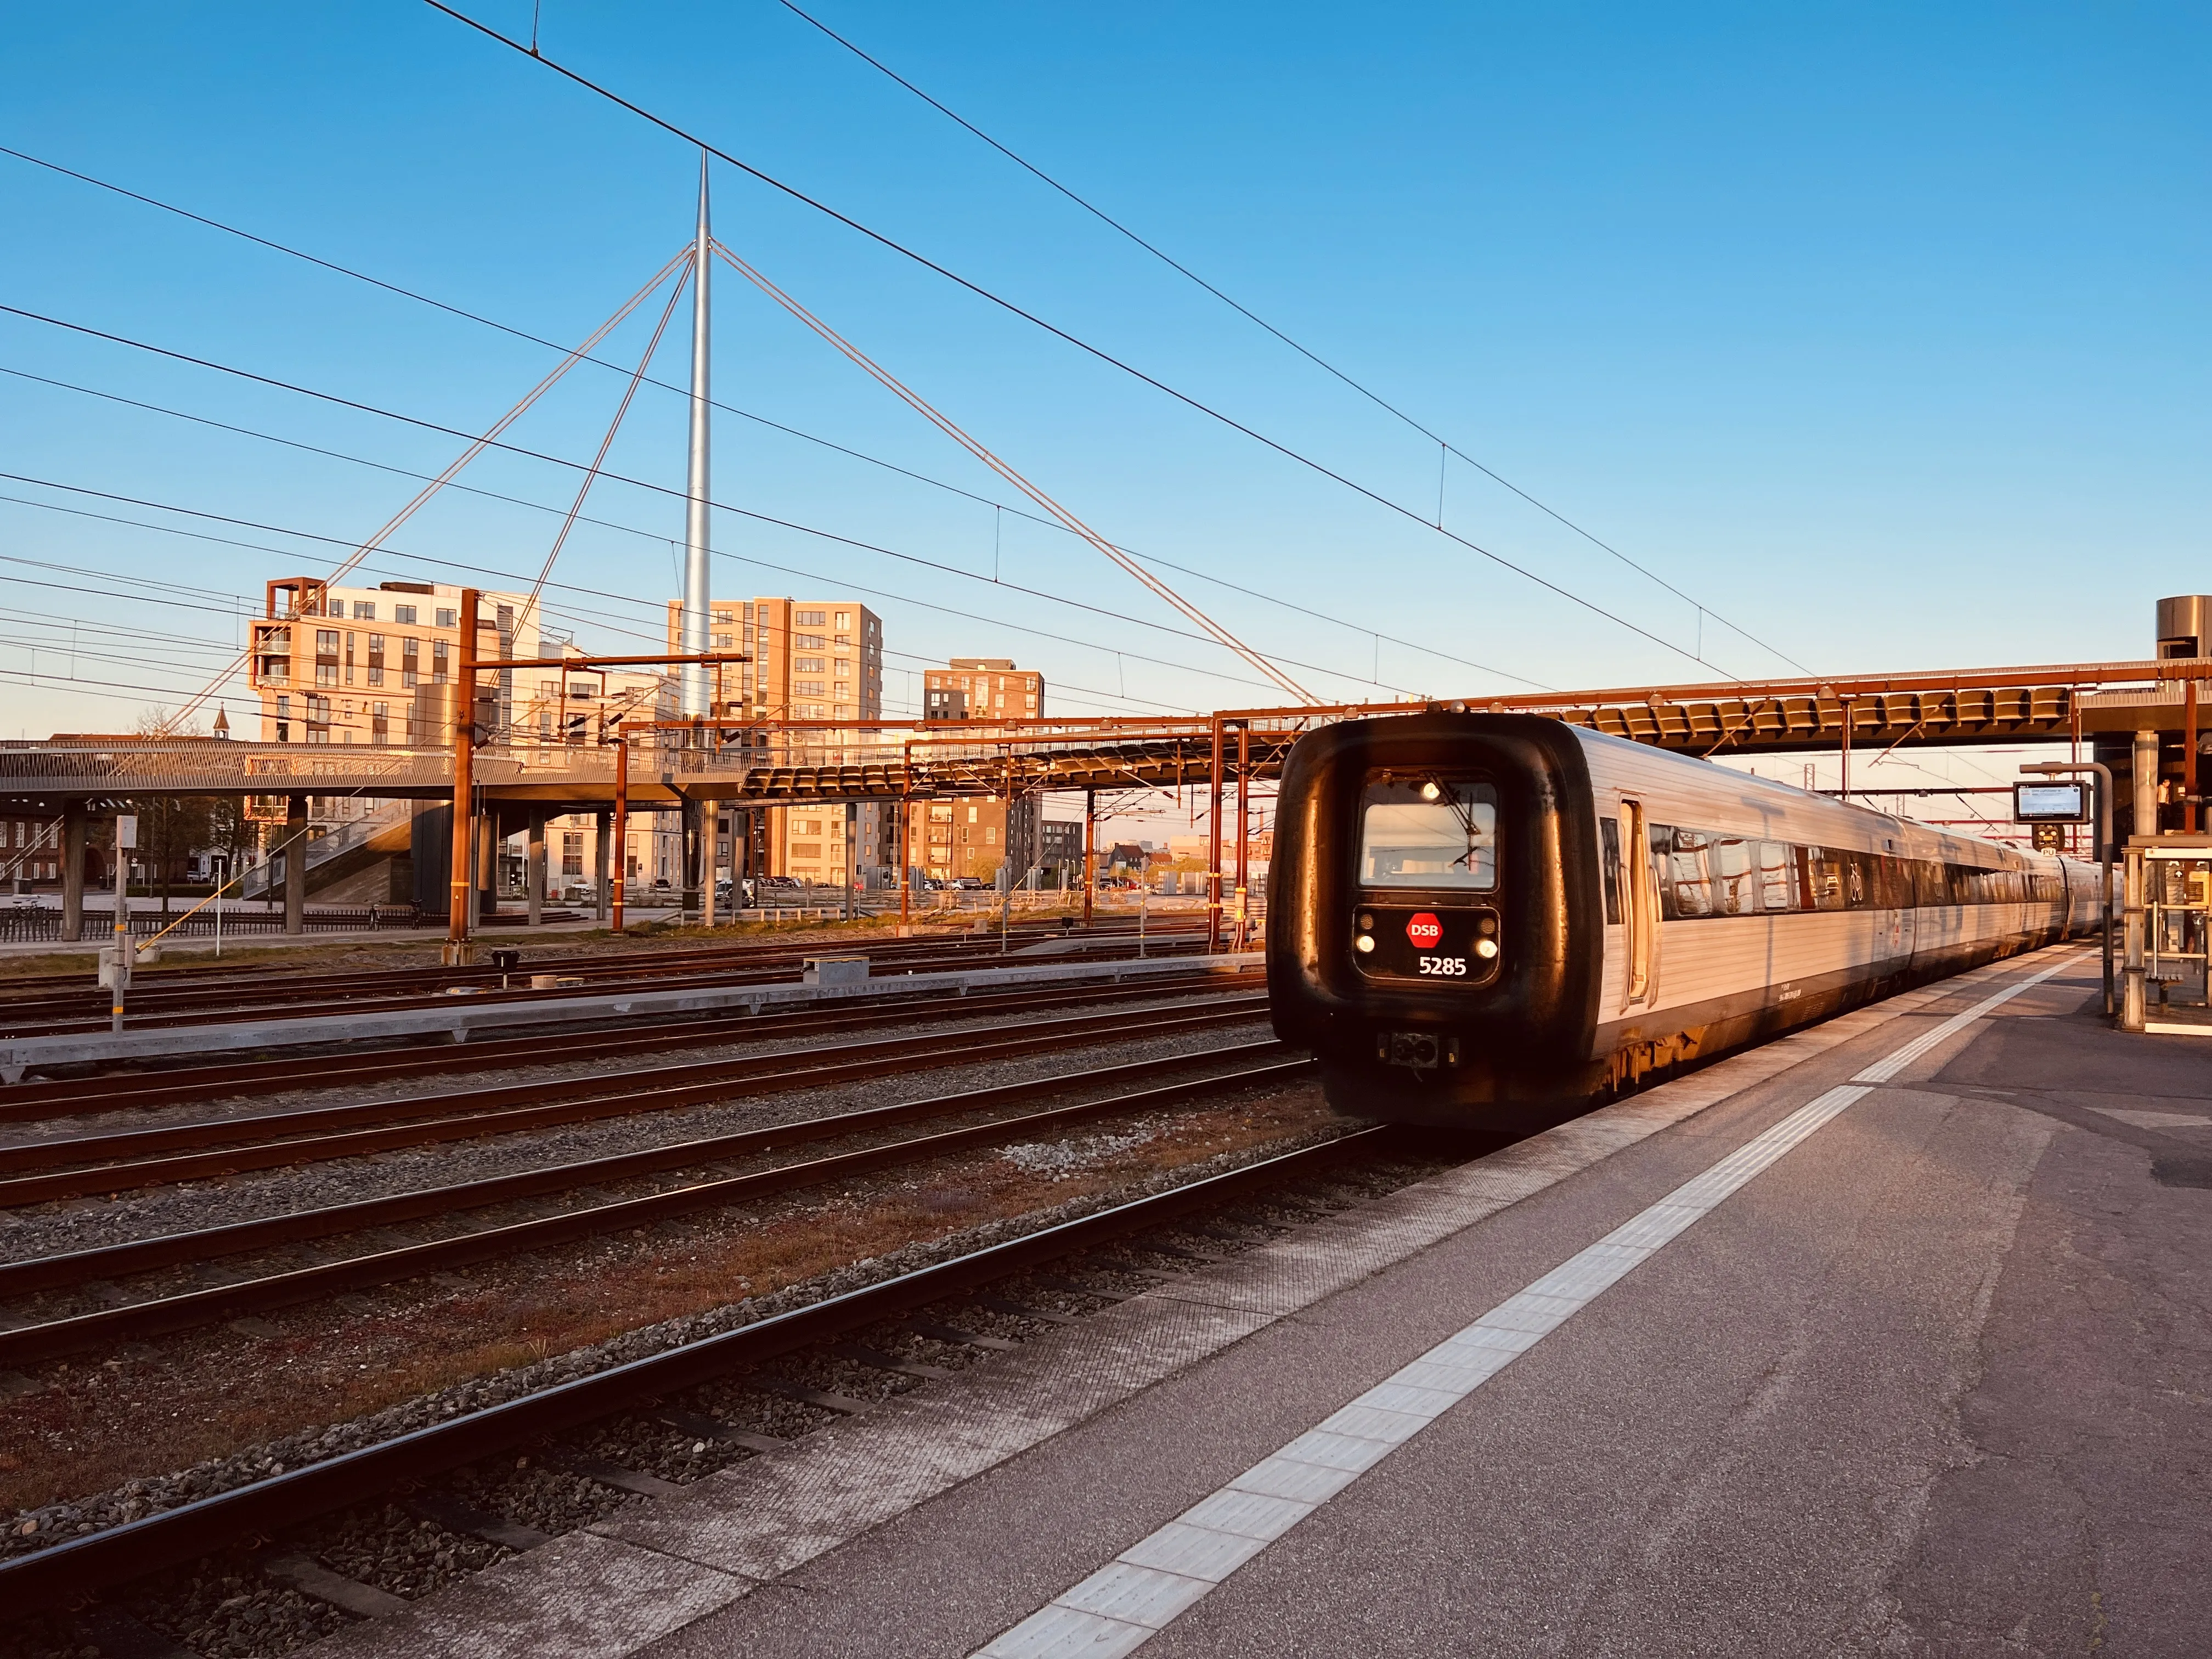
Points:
(1425, 930)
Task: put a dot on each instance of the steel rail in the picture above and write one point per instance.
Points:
(280, 1007)
(210, 977)
(186, 986)
(33, 1344)
(83, 1565)
(154, 1012)
(476, 1113)
(44, 1100)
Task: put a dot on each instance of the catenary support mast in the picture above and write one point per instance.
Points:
(697, 837)
(693, 626)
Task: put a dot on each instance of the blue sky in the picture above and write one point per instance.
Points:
(1879, 331)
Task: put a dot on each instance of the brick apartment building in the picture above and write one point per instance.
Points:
(812, 659)
(948, 840)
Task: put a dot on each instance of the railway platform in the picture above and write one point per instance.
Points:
(1891, 1336)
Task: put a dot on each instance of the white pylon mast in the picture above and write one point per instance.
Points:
(692, 629)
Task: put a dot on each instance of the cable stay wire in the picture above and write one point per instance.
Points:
(240, 608)
(1099, 352)
(928, 412)
(478, 444)
(740, 558)
(1250, 316)
(747, 414)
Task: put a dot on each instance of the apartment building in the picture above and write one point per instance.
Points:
(981, 688)
(811, 659)
(949, 840)
(341, 664)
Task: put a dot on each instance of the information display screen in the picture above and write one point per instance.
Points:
(2050, 803)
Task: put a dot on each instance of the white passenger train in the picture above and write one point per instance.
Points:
(1493, 919)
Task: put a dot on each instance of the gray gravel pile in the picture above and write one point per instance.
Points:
(550, 1069)
(397, 1551)
(89, 1224)
(51, 1524)
(227, 1608)
(527, 1492)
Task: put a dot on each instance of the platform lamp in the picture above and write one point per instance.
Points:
(2103, 776)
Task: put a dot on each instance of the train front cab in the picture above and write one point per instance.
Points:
(1434, 914)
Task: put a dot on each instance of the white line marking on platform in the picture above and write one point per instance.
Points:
(1133, 1598)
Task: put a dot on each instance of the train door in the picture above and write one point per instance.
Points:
(1897, 901)
(1639, 911)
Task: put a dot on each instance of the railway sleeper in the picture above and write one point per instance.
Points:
(926, 1302)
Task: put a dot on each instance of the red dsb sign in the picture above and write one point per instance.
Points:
(1425, 930)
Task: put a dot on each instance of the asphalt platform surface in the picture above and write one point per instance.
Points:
(1934, 1379)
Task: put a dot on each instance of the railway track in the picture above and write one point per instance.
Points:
(686, 1390)
(48, 1099)
(1249, 1065)
(157, 1001)
(40, 1171)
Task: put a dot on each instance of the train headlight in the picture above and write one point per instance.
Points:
(1364, 942)
(1430, 791)
(1485, 948)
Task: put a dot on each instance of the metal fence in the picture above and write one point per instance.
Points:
(39, 924)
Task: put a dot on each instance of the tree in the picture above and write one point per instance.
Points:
(171, 828)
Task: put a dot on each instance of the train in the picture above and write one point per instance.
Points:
(1494, 921)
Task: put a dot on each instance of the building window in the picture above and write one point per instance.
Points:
(448, 619)
(403, 615)
(437, 662)
(572, 852)
(808, 687)
(364, 609)
(326, 641)
(807, 665)
(808, 618)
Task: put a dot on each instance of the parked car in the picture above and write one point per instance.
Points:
(970, 884)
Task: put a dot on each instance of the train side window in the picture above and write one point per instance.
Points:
(1856, 888)
(1609, 862)
(1824, 873)
(1686, 883)
(1930, 885)
(1778, 877)
(1736, 891)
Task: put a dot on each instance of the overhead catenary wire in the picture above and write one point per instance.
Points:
(747, 414)
(426, 559)
(1444, 445)
(1099, 352)
(906, 394)
(478, 444)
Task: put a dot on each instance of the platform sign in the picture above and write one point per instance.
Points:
(2050, 803)
(2049, 838)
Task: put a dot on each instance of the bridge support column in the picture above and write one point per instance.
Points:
(73, 871)
(1213, 850)
(603, 847)
(2145, 783)
(486, 863)
(295, 864)
(534, 866)
(695, 851)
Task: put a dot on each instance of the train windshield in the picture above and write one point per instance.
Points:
(1418, 830)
